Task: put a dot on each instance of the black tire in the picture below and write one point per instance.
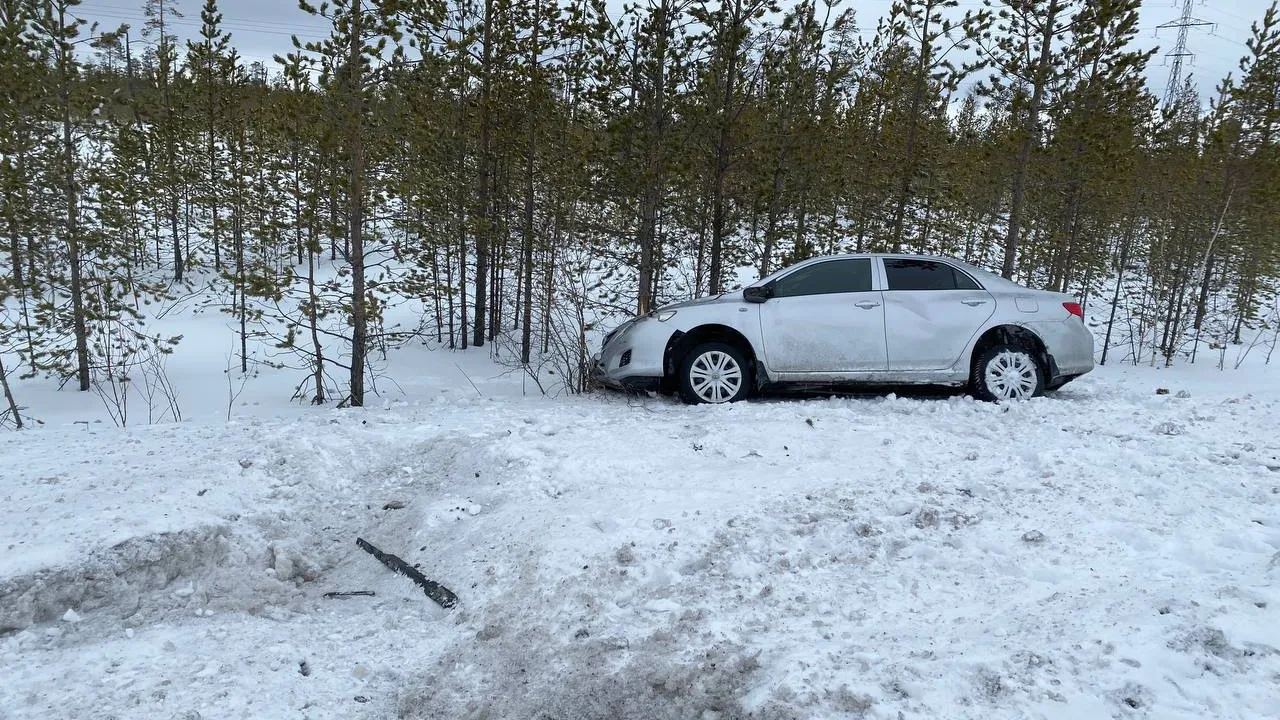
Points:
(708, 359)
(1017, 366)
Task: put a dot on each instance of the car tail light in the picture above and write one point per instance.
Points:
(1074, 308)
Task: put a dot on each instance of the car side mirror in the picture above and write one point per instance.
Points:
(757, 294)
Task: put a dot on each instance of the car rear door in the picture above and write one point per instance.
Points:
(932, 311)
(826, 317)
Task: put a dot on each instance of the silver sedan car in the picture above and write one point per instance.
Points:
(856, 320)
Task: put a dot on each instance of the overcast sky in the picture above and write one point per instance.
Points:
(261, 28)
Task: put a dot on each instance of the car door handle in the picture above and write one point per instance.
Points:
(867, 304)
(974, 302)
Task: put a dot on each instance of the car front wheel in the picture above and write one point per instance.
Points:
(714, 373)
(1007, 372)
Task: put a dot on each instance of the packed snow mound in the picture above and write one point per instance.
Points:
(111, 578)
(1104, 552)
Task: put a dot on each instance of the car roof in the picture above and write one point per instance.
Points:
(988, 279)
(904, 256)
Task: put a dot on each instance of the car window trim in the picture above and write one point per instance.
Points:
(774, 282)
(884, 267)
(966, 274)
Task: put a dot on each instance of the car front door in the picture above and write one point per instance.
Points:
(826, 317)
(932, 310)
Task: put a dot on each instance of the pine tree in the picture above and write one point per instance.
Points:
(298, 122)
(208, 60)
(363, 31)
(165, 123)
(975, 178)
(875, 122)
(933, 36)
(653, 63)
(1099, 125)
(1021, 47)
(730, 27)
(20, 77)
(491, 26)
(804, 82)
(1254, 250)
(57, 29)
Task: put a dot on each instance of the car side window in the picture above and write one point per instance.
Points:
(910, 274)
(824, 278)
(964, 282)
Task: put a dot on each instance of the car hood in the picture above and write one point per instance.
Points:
(722, 298)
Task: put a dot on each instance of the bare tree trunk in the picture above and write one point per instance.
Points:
(174, 211)
(526, 331)
(435, 295)
(718, 215)
(700, 262)
(239, 301)
(804, 249)
(212, 151)
(1205, 279)
(863, 223)
(448, 280)
(1115, 297)
(8, 396)
(773, 213)
(355, 206)
(242, 306)
(186, 222)
(71, 228)
(1242, 306)
(1203, 298)
(497, 258)
(25, 309)
(926, 228)
(526, 263)
(549, 288)
(460, 218)
(485, 210)
(333, 211)
(313, 322)
(298, 243)
(1173, 326)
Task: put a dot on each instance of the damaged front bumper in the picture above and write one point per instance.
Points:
(625, 383)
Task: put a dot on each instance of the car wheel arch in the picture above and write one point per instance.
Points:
(1018, 336)
(682, 342)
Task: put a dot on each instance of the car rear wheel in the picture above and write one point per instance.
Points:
(714, 373)
(1007, 372)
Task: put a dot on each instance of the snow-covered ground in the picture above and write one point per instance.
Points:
(1105, 552)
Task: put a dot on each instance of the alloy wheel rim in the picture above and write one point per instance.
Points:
(715, 377)
(1011, 376)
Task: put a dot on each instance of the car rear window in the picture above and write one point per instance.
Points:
(832, 276)
(908, 274)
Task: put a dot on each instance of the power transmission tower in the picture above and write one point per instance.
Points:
(1174, 57)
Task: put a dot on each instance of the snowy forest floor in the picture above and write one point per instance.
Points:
(1104, 552)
